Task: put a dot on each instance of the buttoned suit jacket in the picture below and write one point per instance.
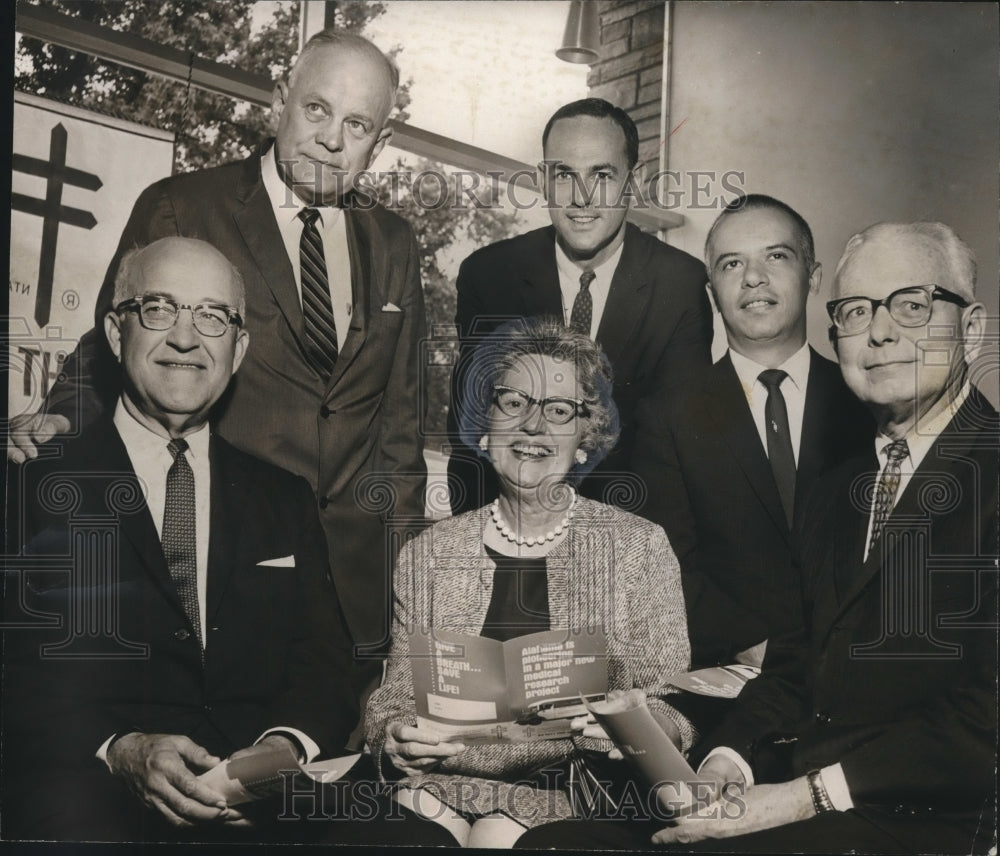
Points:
(656, 328)
(709, 484)
(895, 673)
(355, 438)
(104, 645)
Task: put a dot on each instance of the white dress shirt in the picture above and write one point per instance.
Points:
(569, 284)
(793, 390)
(333, 232)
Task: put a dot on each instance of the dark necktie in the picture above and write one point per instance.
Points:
(583, 305)
(317, 307)
(178, 537)
(779, 440)
(885, 490)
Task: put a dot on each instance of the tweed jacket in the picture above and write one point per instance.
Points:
(615, 570)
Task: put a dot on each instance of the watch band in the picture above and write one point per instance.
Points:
(817, 790)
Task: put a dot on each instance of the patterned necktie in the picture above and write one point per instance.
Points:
(317, 307)
(779, 440)
(583, 305)
(885, 490)
(178, 537)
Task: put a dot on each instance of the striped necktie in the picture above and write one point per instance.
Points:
(317, 307)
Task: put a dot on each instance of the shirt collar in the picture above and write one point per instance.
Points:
(142, 443)
(571, 270)
(284, 202)
(796, 367)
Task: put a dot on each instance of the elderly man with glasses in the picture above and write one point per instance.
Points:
(180, 609)
(874, 729)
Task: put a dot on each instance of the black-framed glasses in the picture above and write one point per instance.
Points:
(556, 411)
(160, 313)
(909, 307)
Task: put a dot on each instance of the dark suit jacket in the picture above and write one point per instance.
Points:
(656, 327)
(276, 648)
(710, 486)
(895, 674)
(355, 439)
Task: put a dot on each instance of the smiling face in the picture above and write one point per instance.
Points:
(527, 451)
(587, 178)
(173, 377)
(331, 119)
(903, 372)
(760, 283)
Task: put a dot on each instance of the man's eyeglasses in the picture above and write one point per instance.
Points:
(160, 313)
(557, 411)
(908, 307)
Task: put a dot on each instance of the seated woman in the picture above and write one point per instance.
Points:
(539, 408)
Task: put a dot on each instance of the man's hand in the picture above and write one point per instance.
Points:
(30, 430)
(232, 817)
(740, 813)
(162, 770)
(415, 750)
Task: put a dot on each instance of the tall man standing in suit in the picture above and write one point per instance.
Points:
(729, 456)
(644, 302)
(334, 305)
(203, 623)
(873, 729)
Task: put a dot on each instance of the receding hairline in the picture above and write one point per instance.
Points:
(133, 260)
(954, 256)
(347, 42)
(804, 240)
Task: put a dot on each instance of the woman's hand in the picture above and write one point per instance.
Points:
(414, 750)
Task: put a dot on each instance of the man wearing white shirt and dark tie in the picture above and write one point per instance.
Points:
(204, 626)
(730, 456)
(872, 729)
(641, 300)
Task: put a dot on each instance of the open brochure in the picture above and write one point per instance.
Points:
(257, 776)
(479, 690)
(717, 681)
(646, 746)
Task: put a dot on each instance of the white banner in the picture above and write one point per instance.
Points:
(76, 175)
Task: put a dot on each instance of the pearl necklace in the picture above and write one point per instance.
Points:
(537, 540)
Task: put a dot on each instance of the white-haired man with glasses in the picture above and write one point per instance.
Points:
(873, 729)
(204, 624)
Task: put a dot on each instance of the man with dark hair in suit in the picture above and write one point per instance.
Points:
(644, 302)
(334, 305)
(729, 456)
(873, 728)
(201, 624)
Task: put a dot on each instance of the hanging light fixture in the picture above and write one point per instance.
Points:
(582, 37)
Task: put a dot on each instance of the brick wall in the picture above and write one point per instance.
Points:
(629, 71)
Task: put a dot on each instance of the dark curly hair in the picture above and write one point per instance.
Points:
(542, 336)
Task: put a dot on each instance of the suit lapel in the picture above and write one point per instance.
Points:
(254, 218)
(230, 488)
(956, 440)
(728, 404)
(359, 246)
(137, 526)
(627, 298)
(817, 423)
(539, 284)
